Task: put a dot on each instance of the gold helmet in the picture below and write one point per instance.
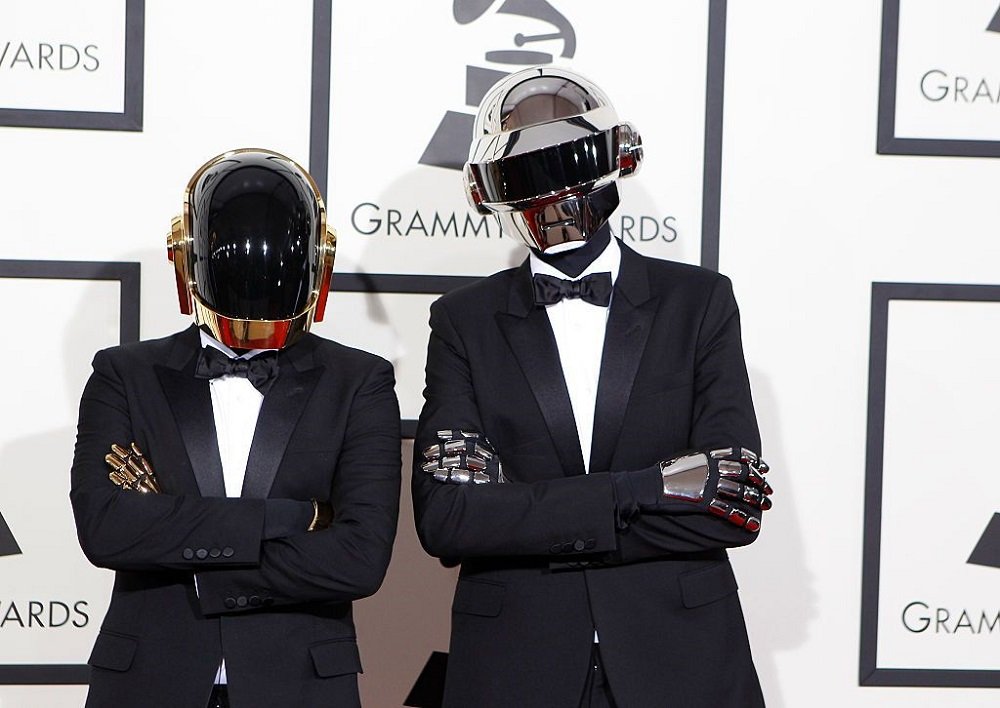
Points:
(252, 251)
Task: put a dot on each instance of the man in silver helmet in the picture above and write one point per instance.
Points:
(588, 448)
(241, 477)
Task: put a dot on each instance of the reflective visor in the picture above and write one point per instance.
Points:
(548, 170)
(256, 238)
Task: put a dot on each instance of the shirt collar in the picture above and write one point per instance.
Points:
(208, 340)
(610, 260)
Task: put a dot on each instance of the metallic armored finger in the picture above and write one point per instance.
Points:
(151, 482)
(122, 460)
(730, 469)
(120, 451)
(734, 467)
(131, 470)
(432, 452)
(754, 461)
(744, 493)
(135, 468)
(462, 457)
(467, 471)
(752, 496)
(120, 467)
(734, 516)
(758, 481)
(463, 475)
(450, 434)
(760, 485)
(470, 445)
(147, 467)
(729, 488)
(143, 470)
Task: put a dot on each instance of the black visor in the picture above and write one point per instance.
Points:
(255, 224)
(548, 170)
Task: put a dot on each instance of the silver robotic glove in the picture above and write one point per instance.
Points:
(462, 458)
(726, 482)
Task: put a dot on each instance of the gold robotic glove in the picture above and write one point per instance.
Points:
(131, 470)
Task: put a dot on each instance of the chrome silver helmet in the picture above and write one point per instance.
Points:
(546, 152)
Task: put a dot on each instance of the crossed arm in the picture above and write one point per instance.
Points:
(618, 516)
(244, 547)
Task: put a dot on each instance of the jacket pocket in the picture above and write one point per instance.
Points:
(113, 651)
(483, 598)
(336, 658)
(706, 585)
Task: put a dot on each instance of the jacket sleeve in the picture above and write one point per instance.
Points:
(566, 515)
(124, 530)
(348, 560)
(722, 416)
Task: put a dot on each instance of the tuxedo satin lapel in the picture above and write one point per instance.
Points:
(279, 414)
(191, 403)
(629, 324)
(530, 337)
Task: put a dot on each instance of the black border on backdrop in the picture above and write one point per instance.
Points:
(319, 134)
(130, 119)
(886, 142)
(870, 674)
(128, 277)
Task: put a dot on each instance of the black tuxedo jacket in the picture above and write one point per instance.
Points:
(542, 562)
(278, 609)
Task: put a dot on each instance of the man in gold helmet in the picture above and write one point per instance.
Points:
(241, 477)
(586, 447)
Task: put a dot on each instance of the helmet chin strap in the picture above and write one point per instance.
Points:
(575, 260)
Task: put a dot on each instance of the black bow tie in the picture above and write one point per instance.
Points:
(594, 288)
(259, 370)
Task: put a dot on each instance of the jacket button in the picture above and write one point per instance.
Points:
(590, 543)
(579, 545)
(215, 553)
(254, 601)
(556, 548)
(230, 602)
(228, 552)
(567, 547)
(188, 554)
(202, 554)
(241, 601)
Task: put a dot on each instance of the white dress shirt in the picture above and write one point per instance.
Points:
(579, 329)
(236, 407)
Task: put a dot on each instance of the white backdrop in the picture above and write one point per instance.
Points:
(811, 216)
